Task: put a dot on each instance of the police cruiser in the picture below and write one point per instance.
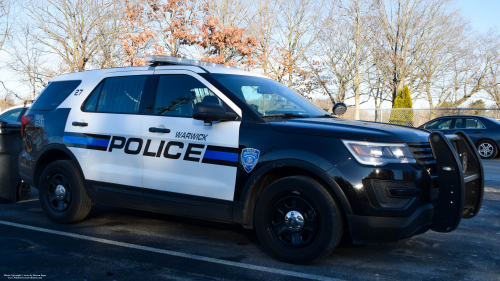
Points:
(202, 140)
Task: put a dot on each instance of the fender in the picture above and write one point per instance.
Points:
(62, 148)
(244, 206)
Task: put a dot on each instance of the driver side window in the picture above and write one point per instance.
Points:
(442, 124)
(176, 95)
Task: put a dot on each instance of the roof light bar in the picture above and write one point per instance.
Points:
(168, 60)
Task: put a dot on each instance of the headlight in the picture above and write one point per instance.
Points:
(374, 153)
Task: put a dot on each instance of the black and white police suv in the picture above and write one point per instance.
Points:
(202, 140)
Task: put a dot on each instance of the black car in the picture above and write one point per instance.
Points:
(11, 119)
(483, 131)
(13, 115)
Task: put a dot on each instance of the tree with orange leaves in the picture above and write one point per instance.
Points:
(224, 45)
(137, 38)
(175, 23)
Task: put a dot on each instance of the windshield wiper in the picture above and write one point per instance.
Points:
(325, 116)
(285, 115)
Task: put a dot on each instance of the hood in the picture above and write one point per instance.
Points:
(352, 130)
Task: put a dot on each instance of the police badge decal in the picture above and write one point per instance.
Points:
(249, 158)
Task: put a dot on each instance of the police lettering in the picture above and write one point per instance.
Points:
(170, 150)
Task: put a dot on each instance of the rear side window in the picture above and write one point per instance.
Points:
(55, 94)
(473, 124)
(117, 95)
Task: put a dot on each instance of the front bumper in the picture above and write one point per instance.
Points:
(454, 191)
(371, 229)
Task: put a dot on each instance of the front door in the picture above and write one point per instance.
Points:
(184, 159)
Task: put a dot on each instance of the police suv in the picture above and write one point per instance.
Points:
(202, 140)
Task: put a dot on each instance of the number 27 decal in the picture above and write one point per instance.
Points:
(78, 92)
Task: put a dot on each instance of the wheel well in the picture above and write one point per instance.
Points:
(278, 173)
(47, 158)
(477, 142)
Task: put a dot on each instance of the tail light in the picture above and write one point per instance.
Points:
(24, 121)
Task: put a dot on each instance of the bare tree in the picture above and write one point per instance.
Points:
(494, 80)
(71, 29)
(297, 29)
(402, 33)
(345, 45)
(439, 51)
(262, 26)
(231, 12)
(473, 71)
(5, 21)
(27, 60)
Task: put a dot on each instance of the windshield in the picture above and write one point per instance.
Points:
(268, 97)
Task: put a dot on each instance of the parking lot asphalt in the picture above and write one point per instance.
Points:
(115, 243)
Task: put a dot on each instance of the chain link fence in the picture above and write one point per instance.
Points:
(415, 117)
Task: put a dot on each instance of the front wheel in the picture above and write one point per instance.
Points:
(297, 220)
(62, 193)
(487, 149)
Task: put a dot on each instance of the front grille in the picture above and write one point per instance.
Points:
(423, 154)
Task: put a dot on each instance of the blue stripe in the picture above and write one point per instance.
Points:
(87, 141)
(218, 155)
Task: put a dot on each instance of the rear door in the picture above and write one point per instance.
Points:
(472, 127)
(184, 159)
(105, 134)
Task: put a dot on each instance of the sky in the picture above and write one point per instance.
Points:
(483, 14)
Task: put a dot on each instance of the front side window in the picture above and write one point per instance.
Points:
(11, 115)
(442, 124)
(176, 95)
(268, 97)
(117, 95)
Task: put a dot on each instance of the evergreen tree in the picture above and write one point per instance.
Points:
(402, 117)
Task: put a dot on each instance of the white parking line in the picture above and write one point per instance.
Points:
(172, 253)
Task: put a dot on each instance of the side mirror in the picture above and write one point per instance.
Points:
(339, 108)
(210, 112)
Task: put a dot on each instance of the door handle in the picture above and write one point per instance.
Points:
(159, 130)
(477, 132)
(80, 124)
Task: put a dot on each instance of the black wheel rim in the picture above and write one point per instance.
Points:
(25, 191)
(284, 231)
(58, 202)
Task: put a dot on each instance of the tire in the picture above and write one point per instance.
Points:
(62, 193)
(288, 241)
(487, 149)
(23, 191)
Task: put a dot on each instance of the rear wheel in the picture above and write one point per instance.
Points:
(62, 193)
(23, 191)
(487, 149)
(297, 220)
